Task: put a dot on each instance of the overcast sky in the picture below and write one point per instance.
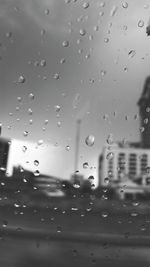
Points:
(77, 55)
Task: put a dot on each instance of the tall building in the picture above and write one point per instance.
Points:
(130, 161)
(144, 110)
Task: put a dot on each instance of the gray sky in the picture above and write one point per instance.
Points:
(88, 76)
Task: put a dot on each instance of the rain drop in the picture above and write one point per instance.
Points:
(104, 214)
(76, 185)
(36, 162)
(30, 111)
(57, 108)
(46, 11)
(85, 5)
(24, 148)
(25, 133)
(8, 34)
(62, 61)
(132, 53)
(43, 63)
(113, 11)
(140, 23)
(67, 148)
(82, 32)
(85, 165)
(110, 156)
(90, 139)
(125, 5)
(65, 43)
(36, 173)
(40, 142)
(141, 129)
(5, 223)
(106, 180)
(19, 98)
(31, 96)
(21, 79)
(56, 76)
(59, 229)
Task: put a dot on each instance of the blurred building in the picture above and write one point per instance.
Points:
(118, 162)
(122, 162)
(4, 153)
(48, 185)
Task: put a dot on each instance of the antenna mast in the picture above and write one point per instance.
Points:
(78, 125)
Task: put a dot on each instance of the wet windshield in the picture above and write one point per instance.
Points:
(74, 133)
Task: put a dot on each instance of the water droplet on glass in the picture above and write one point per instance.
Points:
(96, 28)
(82, 32)
(124, 4)
(76, 185)
(25, 133)
(85, 165)
(21, 79)
(40, 142)
(106, 40)
(46, 11)
(16, 205)
(143, 227)
(125, 27)
(21, 169)
(110, 156)
(103, 72)
(57, 108)
(134, 214)
(43, 32)
(19, 99)
(146, 121)
(30, 111)
(146, 6)
(31, 96)
(102, 4)
(135, 203)
(132, 53)
(46, 122)
(5, 223)
(113, 11)
(110, 139)
(106, 180)
(62, 60)
(43, 63)
(37, 173)
(85, 5)
(141, 129)
(24, 148)
(104, 214)
(101, 13)
(67, 148)
(59, 229)
(59, 124)
(65, 43)
(56, 76)
(36, 162)
(90, 139)
(140, 23)
(8, 34)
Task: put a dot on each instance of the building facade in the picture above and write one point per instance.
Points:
(116, 163)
